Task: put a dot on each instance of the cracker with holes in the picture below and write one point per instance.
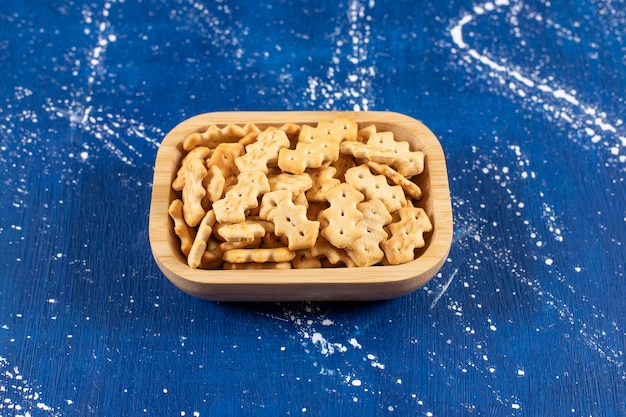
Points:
(223, 157)
(297, 184)
(252, 132)
(263, 153)
(366, 132)
(323, 179)
(342, 164)
(270, 201)
(408, 163)
(366, 250)
(197, 153)
(245, 231)
(409, 187)
(290, 220)
(241, 197)
(307, 133)
(324, 250)
(363, 151)
(342, 128)
(336, 132)
(213, 135)
(270, 240)
(304, 259)
(342, 216)
(292, 130)
(322, 149)
(376, 187)
(406, 235)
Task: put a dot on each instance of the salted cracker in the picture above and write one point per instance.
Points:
(264, 152)
(409, 187)
(408, 163)
(224, 155)
(342, 164)
(342, 216)
(322, 149)
(253, 265)
(242, 244)
(199, 246)
(193, 191)
(270, 201)
(363, 151)
(297, 184)
(246, 231)
(185, 233)
(214, 183)
(241, 197)
(406, 235)
(213, 135)
(366, 132)
(341, 129)
(290, 220)
(323, 179)
(201, 152)
(212, 258)
(366, 250)
(304, 259)
(260, 255)
(323, 249)
(376, 187)
(292, 130)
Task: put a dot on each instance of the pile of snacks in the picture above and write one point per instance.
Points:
(297, 196)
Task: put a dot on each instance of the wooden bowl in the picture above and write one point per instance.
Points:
(365, 283)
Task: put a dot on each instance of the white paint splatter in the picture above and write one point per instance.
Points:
(599, 340)
(350, 57)
(355, 343)
(444, 288)
(326, 347)
(19, 395)
(113, 130)
(561, 103)
(308, 322)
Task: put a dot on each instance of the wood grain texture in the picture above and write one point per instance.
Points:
(378, 282)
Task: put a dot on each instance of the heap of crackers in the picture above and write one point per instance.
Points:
(297, 196)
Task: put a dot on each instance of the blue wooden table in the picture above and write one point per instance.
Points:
(526, 318)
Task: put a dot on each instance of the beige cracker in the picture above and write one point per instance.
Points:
(240, 256)
(406, 235)
(240, 197)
